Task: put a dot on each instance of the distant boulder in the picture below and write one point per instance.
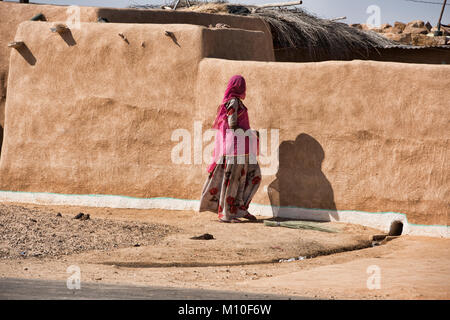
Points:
(399, 37)
(415, 30)
(386, 28)
(416, 24)
(398, 27)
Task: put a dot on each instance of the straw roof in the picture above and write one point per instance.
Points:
(296, 28)
(321, 37)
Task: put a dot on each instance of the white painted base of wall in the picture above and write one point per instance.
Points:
(378, 220)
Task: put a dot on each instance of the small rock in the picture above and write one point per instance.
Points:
(205, 236)
(98, 279)
(137, 245)
(25, 269)
(86, 217)
(33, 220)
(59, 214)
(79, 216)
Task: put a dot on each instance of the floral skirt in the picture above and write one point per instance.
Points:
(230, 188)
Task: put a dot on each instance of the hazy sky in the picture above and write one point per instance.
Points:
(354, 10)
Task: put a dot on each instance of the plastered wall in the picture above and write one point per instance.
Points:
(91, 112)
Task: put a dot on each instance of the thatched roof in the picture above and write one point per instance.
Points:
(296, 28)
(322, 37)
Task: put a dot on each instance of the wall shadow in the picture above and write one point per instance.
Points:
(27, 54)
(68, 37)
(172, 36)
(1, 139)
(300, 182)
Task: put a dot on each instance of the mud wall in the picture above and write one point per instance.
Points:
(92, 113)
(184, 17)
(425, 55)
(12, 14)
(360, 135)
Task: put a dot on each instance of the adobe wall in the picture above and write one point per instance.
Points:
(359, 135)
(417, 55)
(184, 17)
(91, 113)
(12, 14)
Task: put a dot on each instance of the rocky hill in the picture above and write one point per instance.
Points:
(416, 32)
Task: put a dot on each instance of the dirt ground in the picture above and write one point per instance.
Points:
(27, 232)
(153, 247)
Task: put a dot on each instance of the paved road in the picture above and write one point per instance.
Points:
(13, 289)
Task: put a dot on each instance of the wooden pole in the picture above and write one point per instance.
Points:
(15, 44)
(281, 4)
(337, 19)
(440, 17)
(176, 4)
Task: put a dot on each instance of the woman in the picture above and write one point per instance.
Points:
(234, 174)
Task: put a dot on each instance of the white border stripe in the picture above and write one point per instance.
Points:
(377, 220)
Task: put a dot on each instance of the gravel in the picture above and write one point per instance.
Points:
(34, 233)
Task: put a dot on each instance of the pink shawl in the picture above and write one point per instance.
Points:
(225, 142)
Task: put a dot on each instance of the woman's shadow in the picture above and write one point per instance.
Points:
(300, 182)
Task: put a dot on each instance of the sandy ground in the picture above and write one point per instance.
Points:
(241, 257)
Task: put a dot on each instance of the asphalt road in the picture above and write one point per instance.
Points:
(26, 289)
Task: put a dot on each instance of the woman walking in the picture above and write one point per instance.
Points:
(234, 174)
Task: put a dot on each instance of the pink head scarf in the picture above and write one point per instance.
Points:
(236, 88)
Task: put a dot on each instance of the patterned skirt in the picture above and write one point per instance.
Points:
(230, 187)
